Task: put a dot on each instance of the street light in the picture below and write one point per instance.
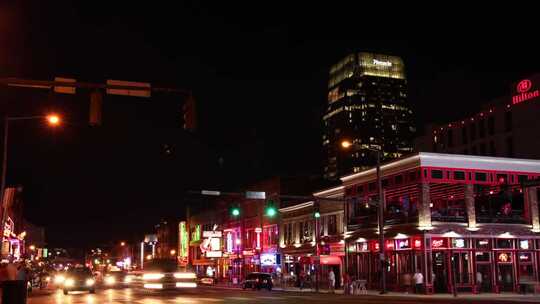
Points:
(380, 214)
(122, 244)
(52, 120)
(32, 247)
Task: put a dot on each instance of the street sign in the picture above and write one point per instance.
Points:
(64, 90)
(255, 194)
(210, 192)
(128, 92)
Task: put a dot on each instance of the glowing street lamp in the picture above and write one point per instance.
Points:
(32, 247)
(122, 244)
(53, 119)
(346, 144)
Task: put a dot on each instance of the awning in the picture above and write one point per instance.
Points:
(330, 260)
(204, 262)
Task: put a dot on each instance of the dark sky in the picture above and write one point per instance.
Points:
(258, 73)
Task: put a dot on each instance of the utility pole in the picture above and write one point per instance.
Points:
(382, 254)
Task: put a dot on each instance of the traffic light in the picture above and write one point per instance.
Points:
(316, 210)
(235, 211)
(270, 209)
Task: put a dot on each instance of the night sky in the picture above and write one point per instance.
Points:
(258, 73)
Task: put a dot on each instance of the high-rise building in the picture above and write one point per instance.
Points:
(368, 110)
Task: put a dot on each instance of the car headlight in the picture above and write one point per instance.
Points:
(59, 279)
(90, 282)
(69, 283)
(185, 275)
(153, 276)
(110, 280)
(128, 279)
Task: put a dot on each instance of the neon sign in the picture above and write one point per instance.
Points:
(183, 246)
(417, 243)
(504, 257)
(523, 88)
(437, 243)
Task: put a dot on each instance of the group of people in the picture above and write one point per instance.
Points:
(13, 282)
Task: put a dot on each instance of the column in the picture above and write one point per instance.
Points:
(469, 205)
(531, 203)
(424, 211)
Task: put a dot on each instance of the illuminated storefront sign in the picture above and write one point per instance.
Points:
(524, 257)
(417, 243)
(403, 244)
(459, 243)
(196, 234)
(211, 245)
(230, 247)
(183, 250)
(390, 244)
(524, 244)
(8, 227)
(438, 243)
(523, 88)
(382, 63)
(504, 257)
(248, 252)
(268, 259)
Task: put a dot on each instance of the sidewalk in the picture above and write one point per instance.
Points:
(529, 298)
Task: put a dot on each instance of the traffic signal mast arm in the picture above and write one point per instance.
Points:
(47, 84)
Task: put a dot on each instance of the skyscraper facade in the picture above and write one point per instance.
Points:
(367, 110)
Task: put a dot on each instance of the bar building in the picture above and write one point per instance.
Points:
(466, 222)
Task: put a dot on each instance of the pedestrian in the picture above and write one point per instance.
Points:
(301, 279)
(347, 284)
(407, 282)
(331, 281)
(418, 281)
(479, 280)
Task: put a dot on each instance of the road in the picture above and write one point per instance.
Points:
(213, 296)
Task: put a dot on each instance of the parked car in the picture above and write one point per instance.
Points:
(258, 280)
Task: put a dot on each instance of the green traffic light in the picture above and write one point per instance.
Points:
(317, 214)
(271, 211)
(235, 212)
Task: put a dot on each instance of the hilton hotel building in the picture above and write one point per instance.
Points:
(507, 127)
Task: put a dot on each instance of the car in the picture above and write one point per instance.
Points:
(161, 274)
(79, 279)
(113, 279)
(258, 280)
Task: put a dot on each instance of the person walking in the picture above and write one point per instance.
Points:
(418, 281)
(407, 282)
(479, 281)
(331, 281)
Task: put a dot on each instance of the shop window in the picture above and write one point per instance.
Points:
(504, 243)
(438, 174)
(482, 256)
(509, 147)
(398, 179)
(360, 189)
(385, 183)
(508, 121)
(473, 132)
(483, 244)
(480, 176)
(332, 224)
(372, 187)
(522, 178)
(448, 209)
(491, 125)
(412, 176)
(459, 175)
(481, 128)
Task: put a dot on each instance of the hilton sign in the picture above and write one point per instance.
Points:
(524, 94)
